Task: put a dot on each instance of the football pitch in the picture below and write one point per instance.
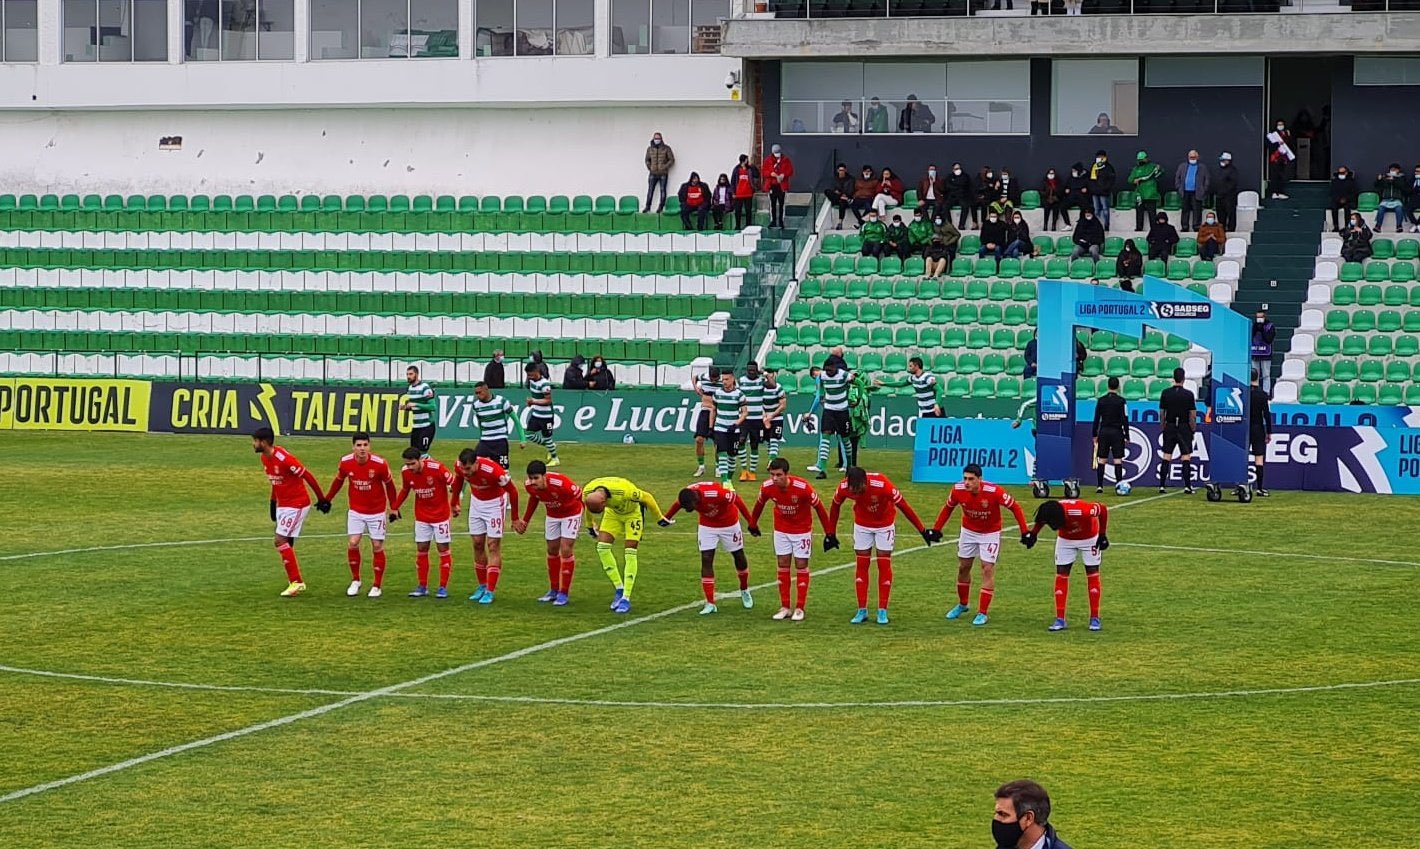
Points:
(1257, 681)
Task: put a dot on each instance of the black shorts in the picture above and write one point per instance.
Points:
(540, 425)
(774, 431)
(1257, 440)
(1178, 438)
(754, 432)
(494, 449)
(727, 441)
(422, 438)
(835, 423)
(702, 424)
(1111, 443)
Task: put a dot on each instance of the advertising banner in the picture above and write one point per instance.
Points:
(56, 403)
(240, 408)
(944, 446)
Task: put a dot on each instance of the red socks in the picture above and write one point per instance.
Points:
(353, 555)
(803, 582)
(481, 570)
(984, 602)
(568, 567)
(860, 580)
(744, 579)
(783, 577)
(1062, 593)
(963, 593)
(493, 573)
(421, 567)
(884, 580)
(446, 565)
(554, 571)
(707, 586)
(379, 568)
(288, 560)
(1093, 582)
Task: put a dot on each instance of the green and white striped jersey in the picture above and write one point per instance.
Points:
(541, 390)
(728, 403)
(835, 390)
(924, 387)
(492, 417)
(753, 388)
(421, 396)
(772, 397)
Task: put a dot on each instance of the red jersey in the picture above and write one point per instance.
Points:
(981, 511)
(794, 506)
(488, 482)
(561, 495)
(371, 486)
(1083, 519)
(431, 488)
(288, 478)
(718, 507)
(876, 506)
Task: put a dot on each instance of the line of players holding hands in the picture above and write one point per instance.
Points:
(618, 508)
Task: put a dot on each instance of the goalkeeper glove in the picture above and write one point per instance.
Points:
(591, 532)
(830, 542)
(394, 516)
(665, 523)
(754, 530)
(1103, 543)
(323, 506)
(927, 536)
(1028, 539)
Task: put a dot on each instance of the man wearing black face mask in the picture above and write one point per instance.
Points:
(1022, 818)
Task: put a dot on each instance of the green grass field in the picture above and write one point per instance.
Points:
(1257, 682)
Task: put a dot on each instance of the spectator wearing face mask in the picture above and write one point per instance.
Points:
(951, 237)
(960, 195)
(1356, 241)
(1412, 209)
(722, 200)
(1225, 192)
(874, 235)
(876, 116)
(494, 374)
(1018, 243)
(1144, 180)
(1393, 189)
(1002, 206)
(937, 258)
(694, 200)
(1279, 160)
(1076, 192)
(1010, 187)
(1343, 196)
(1022, 818)
(993, 236)
(1129, 264)
(919, 231)
(1101, 186)
(1052, 200)
(898, 239)
(744, 182)
(889, 193)
(1088, 237)
(574, 377)
(1212, 238)
(1192, 181)
(1162, 237)
(776, 171)
(599, 376)
(865, 188)
(659, 161)
(839, 193)
(932, 190)
(1264, 333)
(986, 189)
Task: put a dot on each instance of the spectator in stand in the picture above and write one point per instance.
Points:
(1103, 126)
(865, 188)
(1226, 188)
(494, 374)
(1052, 200)
(959, 194)
(1032, 357)
(932, 191)
(1010, 187)
(1412, 209)
(1076, 193)
(898, 239)
(847, 121)
(722, 200)
(694, 200)
(874, 235)
(987, 189)
(1264, 333)
(1162, 237)
(659, 161)
(1144, 181)
(1279, 160)
(1018, 243)
(993, 237)
(889, 193)
(776, 171)
(915, 117)
(1039, 7)
(951, 237)
(1212, 238)
(1192, 181)
(1393, 189)
(744, 182)
(574, 377)
(535, 359)
(1129, 264)
(599, 376)
(937, 258)
(1343, 196)
(1002, 206)
(1101, 184)
(877, 117)
(1356, 241)
(1088, 237)
(840, 193)
(919, 232)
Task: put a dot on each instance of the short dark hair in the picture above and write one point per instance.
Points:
(468, 455)
(915, 361)
(532, 369)
(688, 498)
(480, 385)
(856, 477)
(414, 369)
(1026, 796)
(264, 434)
(537, 467)
(1256, 376)
(972, 469)
(1050, 513)
(359, 436)
(778, 464)
(1113, 382)
(1178, 374)
(411, 453)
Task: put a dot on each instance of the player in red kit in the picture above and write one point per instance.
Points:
(720, 509)
(1081, 529)
(289, 501)
(795, 503)
(875, 504)
(491, 492)
(563, 500)
(371, 493)
(431, 482)
(981, 504)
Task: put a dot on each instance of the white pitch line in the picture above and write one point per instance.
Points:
(1263, 553)
(170, 544)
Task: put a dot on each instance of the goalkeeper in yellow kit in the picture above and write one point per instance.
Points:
(618, 509)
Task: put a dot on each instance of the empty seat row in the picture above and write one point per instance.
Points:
(1345, 295)
(1330, 345)
(811, 336)
(930, 289)
(1365, 321)
(1389, 394)
(601, 205)
(1377, 272)
(894, 313)
(1081, 269)
(1366, 371)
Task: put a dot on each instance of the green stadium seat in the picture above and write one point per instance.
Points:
(967, 314)
(942, 314)
(798, 361)
(1363, 393)
(1407, 346)
(1368, 202)
(895, 313)
(1010, 269)
(1003, 340)
(984, 267)
(1152, 342)
(1094, 366)
(1086, 388)
(1044, 245)
(844, 265)
(821, 311)
(1353, 345)
(1397, 372)
(1134, 389)
(977, 290)
(890, 266)
(953, 289)
(1395, 296)
(871, 361)
(929, 289)
(983, 387)
(1345, 370)
(1014, 316)
(820, 265)
(1082, 269)
(1141, 367)
(993, 364)
(1106, 269)
(1057, 269)
(1319, 370)
(867, 266)
(1391, 395)
(968, 363)
(991, 314)
(1116, 366)
(1402, 272)
(586, 204)
(1101, 340)
(832, 243)
(1350, 272)
(1343, 295)
(628, 205)
(1030, 199)
(1164, 367)
(930, 337)
(833, 336)
(1203, 270)
(856, 336)
(958, 387)
(1363, 321)
(1311, 393)
(1369, 296)
(1382, 248)
(918, 313)
(1389, 321)
(1125, 344)
(1412, 395)
(1337, 320)
(1186, 249)
(1411, 322)
(1371, 371)
(954, 337)
(1178, 269)
(1125, 200)
(904, 338)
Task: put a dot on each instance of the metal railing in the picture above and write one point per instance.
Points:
(829, 9)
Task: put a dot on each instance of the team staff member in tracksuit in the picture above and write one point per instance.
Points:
(1178, 412)
(1111, 433)
(1259, 429)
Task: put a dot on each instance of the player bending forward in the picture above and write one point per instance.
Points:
(793, 498)
(1080, 528)
(431, 482)
(875, 504)
(563, 499)
(720, 509)
(289, 501)
(621, 505)
(491, 492)
(981, 504)
(371, 493)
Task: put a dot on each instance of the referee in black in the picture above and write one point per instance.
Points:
(1178, 411)
(1111, 433)
(1259, 429)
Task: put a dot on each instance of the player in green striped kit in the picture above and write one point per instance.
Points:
(776, 402)
(752, 431)
(924, 389)
(729, 408)
(833, 384)
(540, 412)
(492, 413)
(419, 401)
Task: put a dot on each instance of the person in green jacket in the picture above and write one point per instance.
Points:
(1144, 181)
(898, 239)
(874, 235)
(876, 117)
(919, 232)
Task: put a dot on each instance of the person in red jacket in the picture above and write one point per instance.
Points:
(744, 182)
(776, 171)
(694, 199)
(1081, 530)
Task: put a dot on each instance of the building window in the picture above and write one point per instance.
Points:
(115, 30)
(988, 98)
(667, 27)
(534, 28)
(1203, 71)
(1094, 97)
(19, 22)
(1381, 70)
(384, 29)
(239, 30)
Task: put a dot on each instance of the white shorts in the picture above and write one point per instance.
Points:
(1088, 549)
(569, 528)
(485, 518)
(798, 545)
(880, 538)
(437, 531)
(731, 539)
(289, 520)
(972, 544)
(365, 523)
